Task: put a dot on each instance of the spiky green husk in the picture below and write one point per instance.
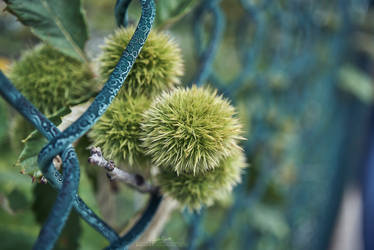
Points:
(158, 66)
(51, 79)
(194, 191)
(118, 131)
(190, 130)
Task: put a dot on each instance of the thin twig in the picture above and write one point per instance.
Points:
(135, 181)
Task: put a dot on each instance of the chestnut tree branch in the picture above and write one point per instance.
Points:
(135, 181)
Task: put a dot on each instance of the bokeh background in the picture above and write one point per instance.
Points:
(300, 72)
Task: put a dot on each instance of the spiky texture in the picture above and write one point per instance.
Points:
(51, 79)
(118, 131)
(194, 191)
(158, 66)
(190, 130)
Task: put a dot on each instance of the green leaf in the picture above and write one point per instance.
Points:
(269, 220)
(58, 22)
(57, 117)
(27, 160)
(171, 11)
(357, 82)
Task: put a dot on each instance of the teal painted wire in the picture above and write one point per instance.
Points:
(155, 200)
(64, 202)
(247, 55)
(195, 229)
(120, 12)
(252, 52)
(65, 197)
(206, 56)
(140, 226)
(48, 129)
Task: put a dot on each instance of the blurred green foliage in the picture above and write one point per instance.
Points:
(4, 125)
(62, 19)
